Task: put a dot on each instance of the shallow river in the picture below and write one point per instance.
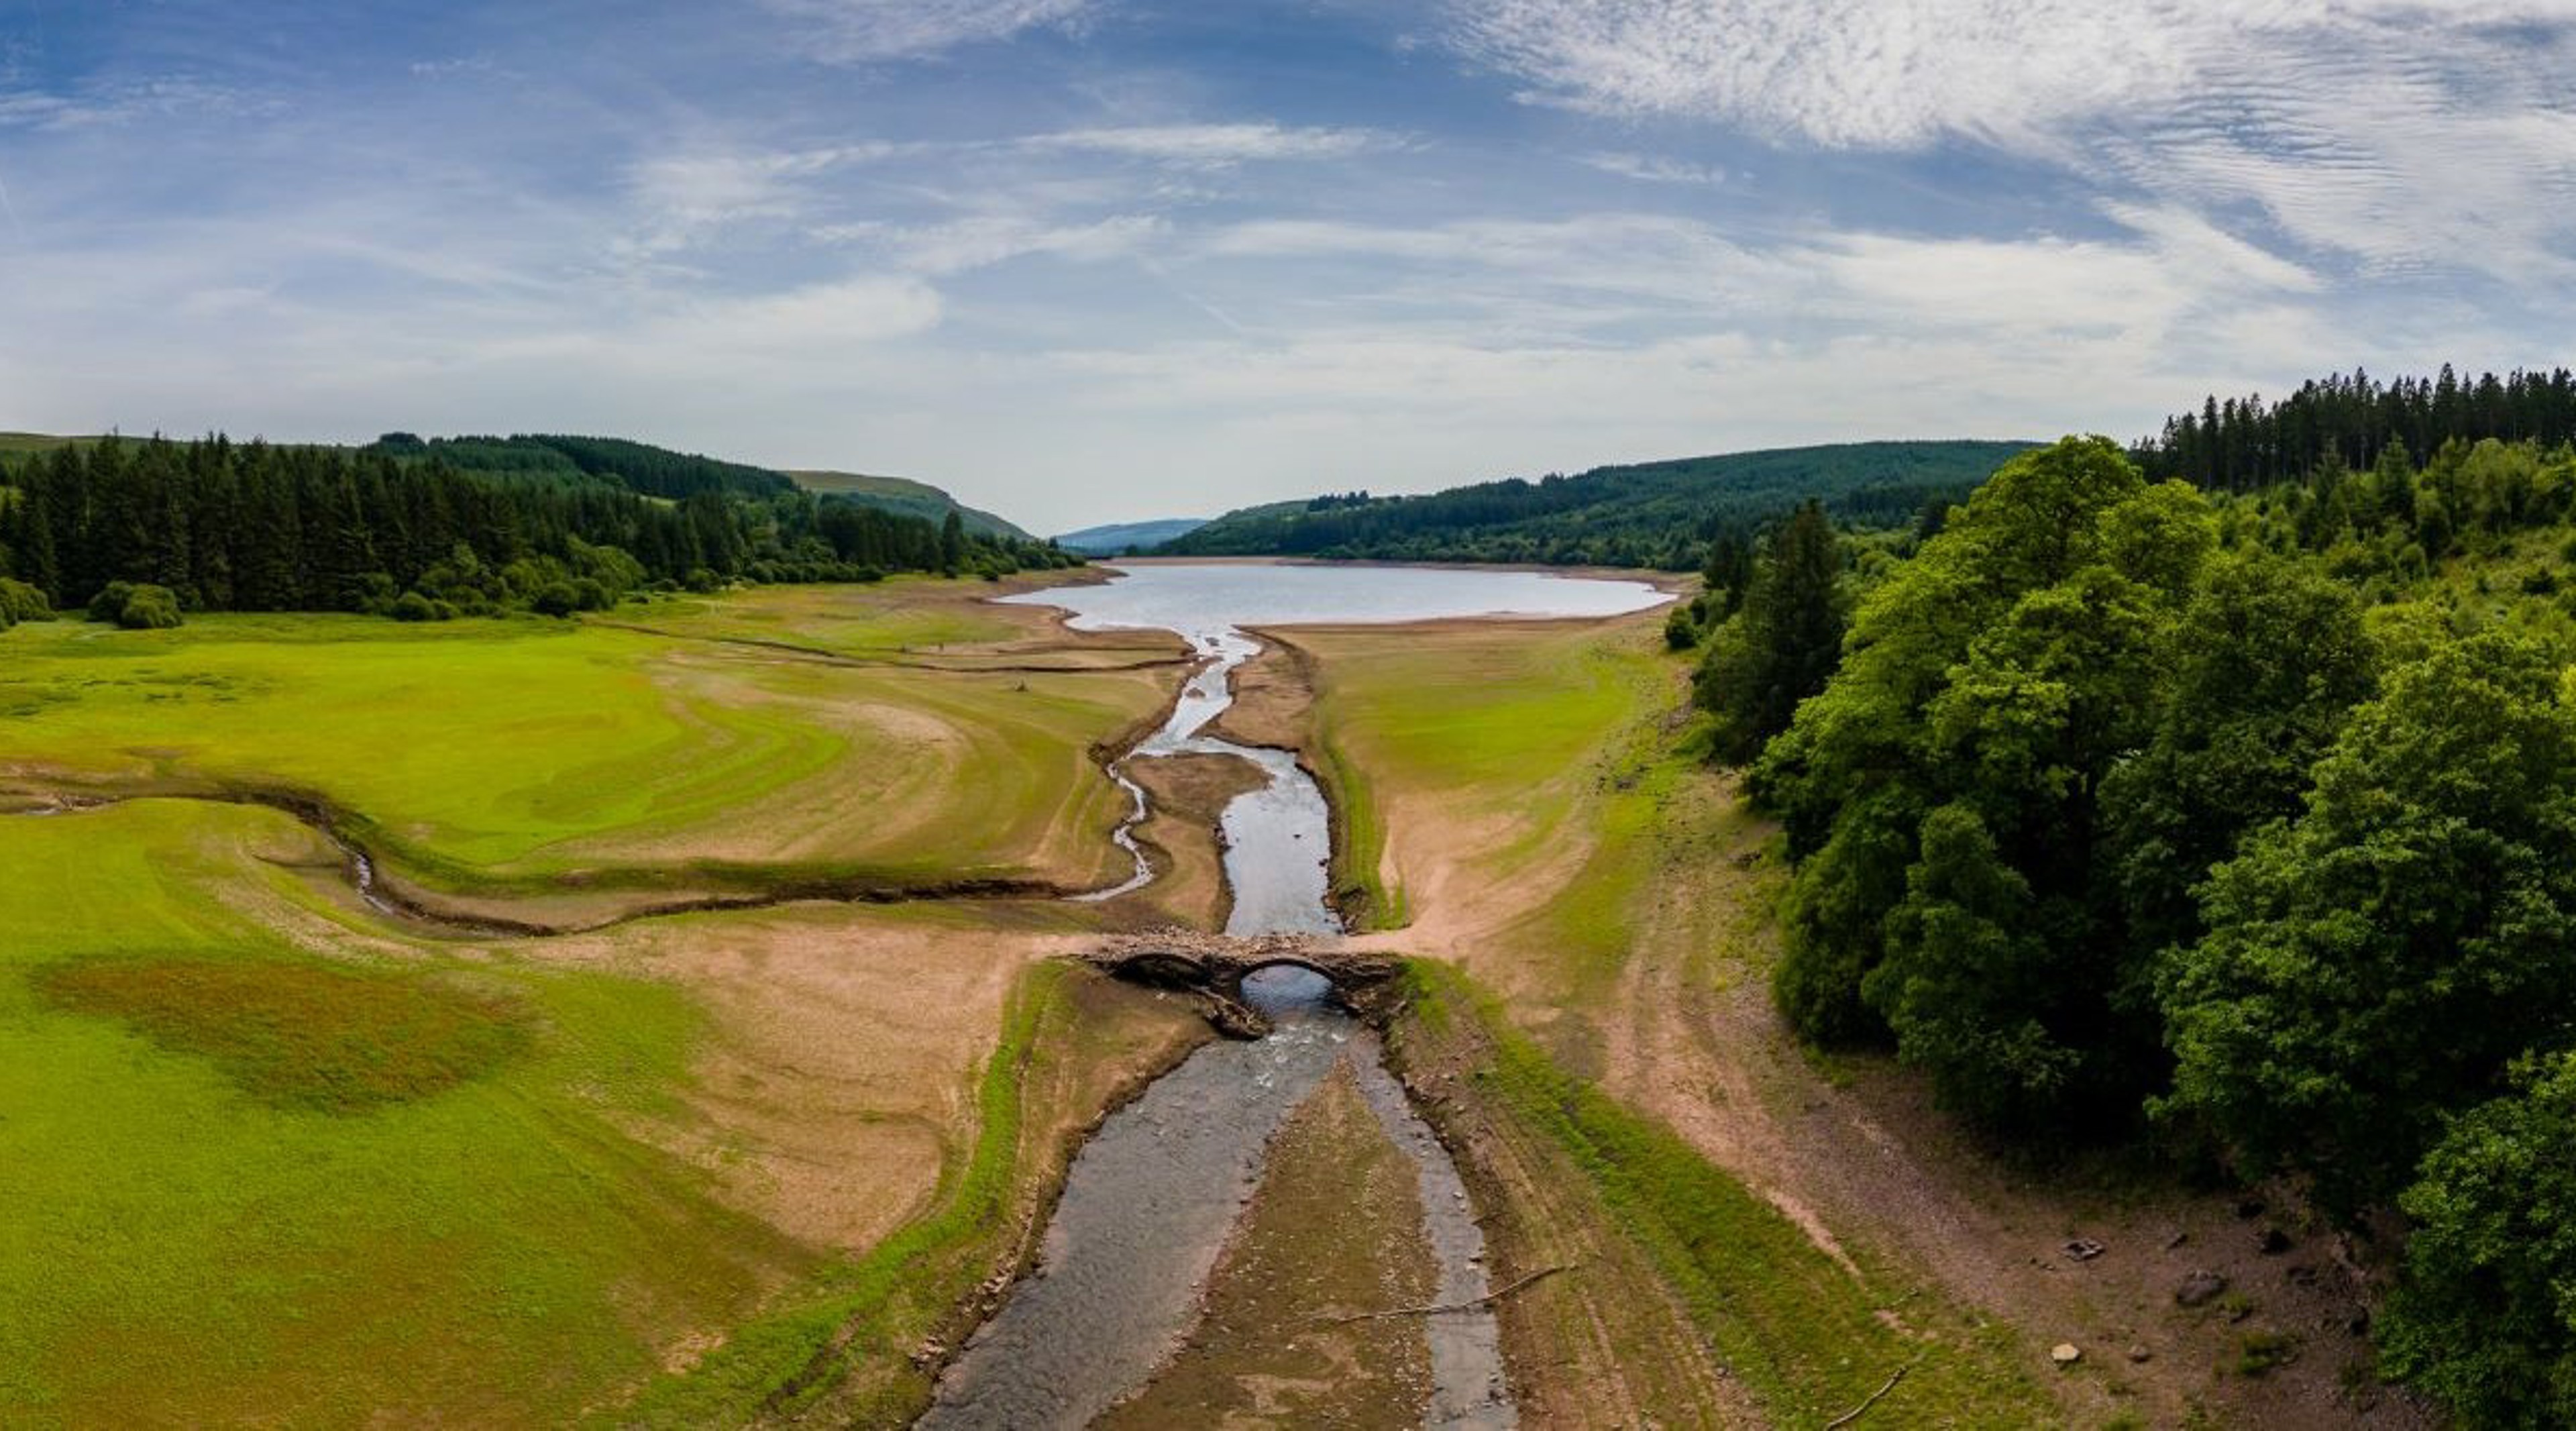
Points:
(1150, 1199)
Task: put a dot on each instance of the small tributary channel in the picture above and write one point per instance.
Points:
(1150, 1199)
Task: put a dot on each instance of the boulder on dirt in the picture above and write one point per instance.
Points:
(2083, 1249)
(2273, 1242)
(1235, 1020)
(2066, 1353)
(2199, 1289)
(2139, 1355)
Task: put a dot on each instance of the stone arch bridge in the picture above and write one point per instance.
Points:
(1214, 965)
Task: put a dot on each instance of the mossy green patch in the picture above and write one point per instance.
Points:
(299, 1034)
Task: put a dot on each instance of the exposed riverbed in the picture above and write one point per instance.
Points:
(1150, 1200)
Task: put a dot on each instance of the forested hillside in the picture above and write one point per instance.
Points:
(219, 526)
(635, 466)
(906, 497)
(2236, 824)
(1657, 514)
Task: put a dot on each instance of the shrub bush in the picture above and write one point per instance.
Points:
(149, 608)
(21, 602)
(109, 604)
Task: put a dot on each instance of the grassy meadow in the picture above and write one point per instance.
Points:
(250, 1180)
(272, 1160)
(520, 754)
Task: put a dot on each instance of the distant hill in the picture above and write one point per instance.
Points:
(1120, 537)
(657, 472)
(17, 442)
(1654, 514)
(902, 494)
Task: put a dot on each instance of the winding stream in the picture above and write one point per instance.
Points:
(1149, 1201)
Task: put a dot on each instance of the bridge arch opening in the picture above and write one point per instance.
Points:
(1288, 986)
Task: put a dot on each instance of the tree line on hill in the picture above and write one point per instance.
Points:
(2238, 444)
(1665, 515)
(219, 526)
(2243, 823)
(635, 466)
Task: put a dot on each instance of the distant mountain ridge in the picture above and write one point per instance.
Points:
(1652, 514)
(1118, 538)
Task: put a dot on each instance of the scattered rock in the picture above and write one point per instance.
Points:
(2178, 1239)
(2083, 1249)
(2273, 1242)
(2303, 1275)
(2139, 1355)
(2199, 1289)
(2066, 1354)
(1235, 1020)
(2250, 1208)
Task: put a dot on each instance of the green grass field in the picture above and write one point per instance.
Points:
(1541, 739)
(270, 1161)
(247, 1183)
(516, 752)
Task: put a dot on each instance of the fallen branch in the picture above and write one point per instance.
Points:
(1853, 1415)
(1469, 1305)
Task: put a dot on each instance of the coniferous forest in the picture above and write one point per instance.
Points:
(1657, 514)
(2230, 816)
(429, 530)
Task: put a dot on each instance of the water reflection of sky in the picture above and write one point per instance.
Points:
(1204, 599)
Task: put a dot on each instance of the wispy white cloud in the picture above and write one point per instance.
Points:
(2159, 281)
(1653, 168)
(1214, 144)
(862, 31)
(130, 102)
(942, 250)
(2399, 132)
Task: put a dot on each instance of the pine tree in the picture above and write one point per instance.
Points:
(1783, 645)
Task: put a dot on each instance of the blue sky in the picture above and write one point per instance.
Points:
(1089, 260)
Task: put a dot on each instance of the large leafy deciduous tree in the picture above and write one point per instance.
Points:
(2381, 961)
(2486, 1317)
(1944, 789)
(2260, 674)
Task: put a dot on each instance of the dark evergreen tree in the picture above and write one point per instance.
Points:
(1784, 643)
